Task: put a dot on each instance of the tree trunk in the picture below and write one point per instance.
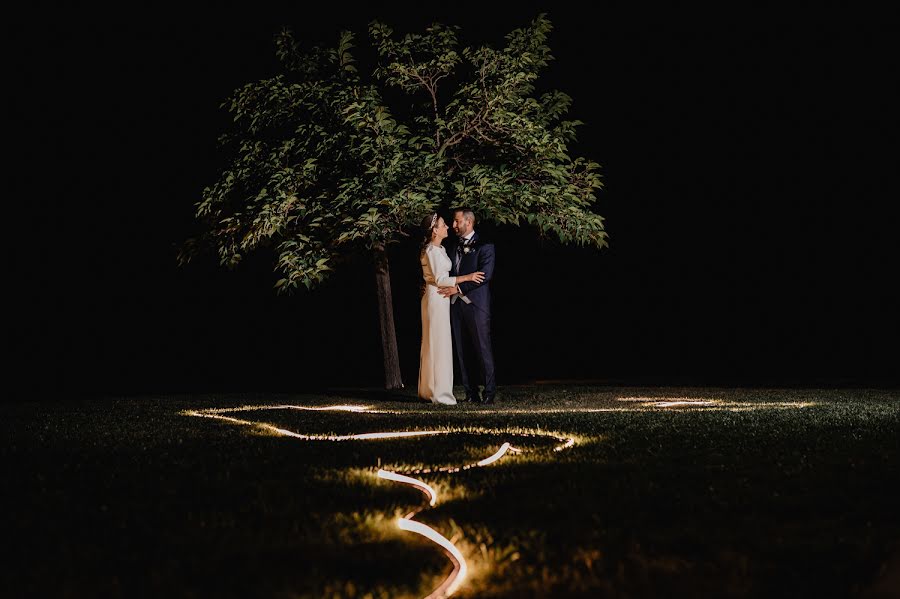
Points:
(392, 379)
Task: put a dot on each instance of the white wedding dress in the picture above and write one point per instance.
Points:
(436, 357)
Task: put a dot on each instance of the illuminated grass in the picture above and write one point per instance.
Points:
(666, 492)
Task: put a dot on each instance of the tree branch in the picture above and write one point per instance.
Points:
(432, 90)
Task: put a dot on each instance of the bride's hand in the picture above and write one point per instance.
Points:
(476, 277)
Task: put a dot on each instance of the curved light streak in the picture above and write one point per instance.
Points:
(422, 486)
(640, 404)
(452, 583)
(253, 408)
(704, 404)
(284, 432)
(683, 402)
(569, 443)
(396, 435)
(460, 568)
(500, 453)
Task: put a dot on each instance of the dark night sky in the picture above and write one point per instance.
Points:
(749, 200)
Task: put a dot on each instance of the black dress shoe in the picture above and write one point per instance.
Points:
(488, 398)
(471, 398)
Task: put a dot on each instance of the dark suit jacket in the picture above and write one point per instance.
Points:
(480, 257)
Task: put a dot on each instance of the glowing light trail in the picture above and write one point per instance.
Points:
(569, 443)
(287, 433)
(703, 405)
(422, 486)
(687, 402)
(460, 568)
(500, 453)
(396, 435)
(249, 408)
(639, 404)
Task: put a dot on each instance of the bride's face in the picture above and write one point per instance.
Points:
(440, 230)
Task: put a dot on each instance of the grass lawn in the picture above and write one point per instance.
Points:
(665, 492)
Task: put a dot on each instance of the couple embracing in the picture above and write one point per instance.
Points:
(457, 298)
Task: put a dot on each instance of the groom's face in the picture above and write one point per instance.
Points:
(461, 224)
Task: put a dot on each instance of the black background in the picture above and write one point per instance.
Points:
(749, 198)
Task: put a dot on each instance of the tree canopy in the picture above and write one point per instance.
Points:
(321, 166)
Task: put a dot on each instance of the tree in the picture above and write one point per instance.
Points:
(320, 168)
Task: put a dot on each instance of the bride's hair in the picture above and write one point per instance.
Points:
(428, 225)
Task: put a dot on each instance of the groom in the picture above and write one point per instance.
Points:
(470, 308)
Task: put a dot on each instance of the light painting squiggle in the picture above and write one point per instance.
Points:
(429, 492)
(460, 568)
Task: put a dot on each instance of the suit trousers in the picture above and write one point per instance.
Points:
(471, 328)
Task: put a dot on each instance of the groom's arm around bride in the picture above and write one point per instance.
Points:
(476, 292)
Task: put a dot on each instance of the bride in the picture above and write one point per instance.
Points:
(436, 357)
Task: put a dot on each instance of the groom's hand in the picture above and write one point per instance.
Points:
(447, 291)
